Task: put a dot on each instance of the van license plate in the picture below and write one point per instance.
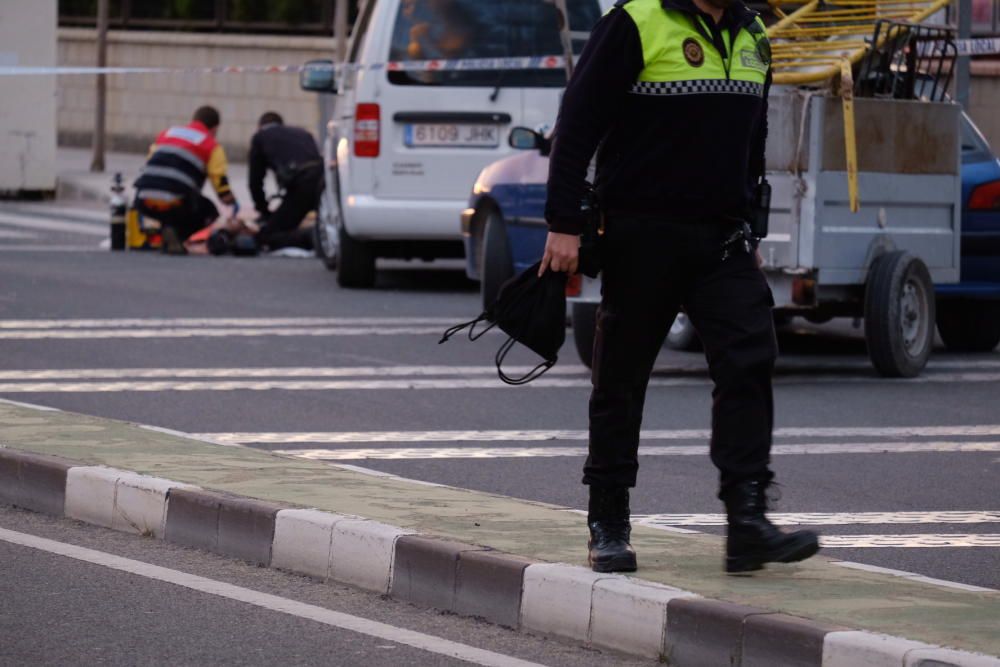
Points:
(454, 135)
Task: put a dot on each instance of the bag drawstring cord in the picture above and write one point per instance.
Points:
(484, 317)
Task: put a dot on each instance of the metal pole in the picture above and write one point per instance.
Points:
(340, 29)
(962, 76)
(564, 36)
(97, 162)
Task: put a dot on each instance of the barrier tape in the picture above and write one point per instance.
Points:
(462, 65)
(965, 47)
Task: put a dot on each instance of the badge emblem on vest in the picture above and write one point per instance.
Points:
(693, 53)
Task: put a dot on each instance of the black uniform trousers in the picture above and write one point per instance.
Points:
(653, 267)
(301, 195)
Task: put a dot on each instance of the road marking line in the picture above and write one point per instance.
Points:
(328, 617)
(411, 383)
(918, 541)
(51, 248)
(11, 234)
(30, 222)
(43, 210)
(112, 334)
(825, 518)
(913, 576)
(342, 437)
(307, 371)
(414, 453)
(150, 322)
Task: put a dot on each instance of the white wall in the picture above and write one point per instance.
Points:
(27, 103)
(140, 105)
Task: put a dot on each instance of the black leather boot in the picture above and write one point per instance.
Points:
(752, 540)
(607, 518)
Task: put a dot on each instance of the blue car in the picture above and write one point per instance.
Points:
(504, 232)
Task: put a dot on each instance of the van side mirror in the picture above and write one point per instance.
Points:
(523, 138)
(318, 76)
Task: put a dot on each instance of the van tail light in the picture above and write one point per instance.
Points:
(985, 197)
(574, 285)
(367, 130)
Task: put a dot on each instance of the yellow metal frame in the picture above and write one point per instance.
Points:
(810, 43)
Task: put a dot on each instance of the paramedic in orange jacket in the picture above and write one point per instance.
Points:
(169, 186)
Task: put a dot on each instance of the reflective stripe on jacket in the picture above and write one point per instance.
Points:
(181, 159)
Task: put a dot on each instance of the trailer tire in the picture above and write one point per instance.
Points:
(969, 326)
(899, 315)
(682, 335)
(496, 265)
(355, 263)
(584, 319)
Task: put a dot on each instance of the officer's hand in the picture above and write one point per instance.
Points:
(562, 253)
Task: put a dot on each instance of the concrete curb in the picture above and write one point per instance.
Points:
(609, 611)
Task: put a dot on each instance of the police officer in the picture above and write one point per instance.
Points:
(291, 153)
(169, 187)
(672, 95)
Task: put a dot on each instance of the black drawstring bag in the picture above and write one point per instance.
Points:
(531, 310)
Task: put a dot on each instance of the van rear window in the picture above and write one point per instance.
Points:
(456, 29)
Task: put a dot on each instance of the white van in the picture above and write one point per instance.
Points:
(404, 147)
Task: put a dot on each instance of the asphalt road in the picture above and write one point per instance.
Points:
(269, 352)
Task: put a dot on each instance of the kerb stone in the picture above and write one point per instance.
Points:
(34, 481)
(705, 632)
(631, 616)
(425, 570)
(779, 639)
(855, 648)
(246, 529)
(193, 518)
(557, 599)
(489, 585)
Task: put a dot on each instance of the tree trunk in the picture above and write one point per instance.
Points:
(97, 163)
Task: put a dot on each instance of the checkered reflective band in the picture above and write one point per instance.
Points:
(698, 87)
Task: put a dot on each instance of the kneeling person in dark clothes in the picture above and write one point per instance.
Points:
(169, 187)
(291, 153)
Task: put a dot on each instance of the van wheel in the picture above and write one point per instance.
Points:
(899, 315)
(356, 263)
(584, 319)
(969, 326)
(326, 231)
(496, 265)
(682, 335)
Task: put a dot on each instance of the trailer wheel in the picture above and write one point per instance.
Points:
(899, 315)
(355, 263)
(496, 265)
(584, 319)
(969, 326)
(682, 335)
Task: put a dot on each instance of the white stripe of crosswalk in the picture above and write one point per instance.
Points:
(910, 541)
(289, 372)
(826, 518)
(348, 437)
(412, 453)
(218, 332)
(58, 212)
(414, 383)
(215, 322)
(32, 222)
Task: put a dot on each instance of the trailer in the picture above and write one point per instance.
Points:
(866, 202)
